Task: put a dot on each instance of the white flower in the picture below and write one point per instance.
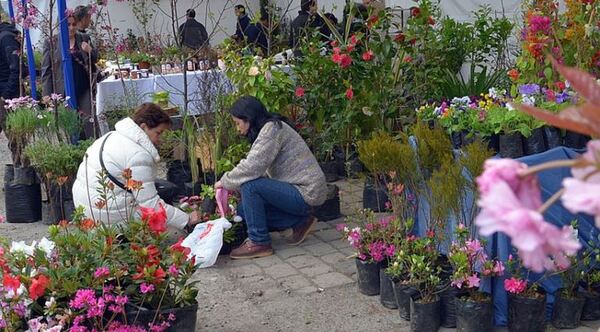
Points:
(253, 71)
(237, 219)
(56, 328)
(12, 294)
(529, 100)
(47, 246)
(50, 303)
(268, 75)
(509, 107)
(221, 64)
(367, 111)
(589, 29)
(22, 247)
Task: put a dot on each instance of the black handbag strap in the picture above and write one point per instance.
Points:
(110, 176)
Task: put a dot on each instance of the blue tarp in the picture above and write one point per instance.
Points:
(66, 54)
(498, 245)
(30, 58)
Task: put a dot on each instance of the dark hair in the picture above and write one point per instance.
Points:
(150, 114)
(240, 7)
(190, 13)
(305, 4)
(80, 12)
(251, 110)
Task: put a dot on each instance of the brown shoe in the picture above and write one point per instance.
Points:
(249, 249)
(301, 231)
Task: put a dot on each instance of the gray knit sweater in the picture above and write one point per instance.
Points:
(281, 154)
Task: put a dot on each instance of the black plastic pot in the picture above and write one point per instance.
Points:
(552, 136)
(240, 235)
(591, 307)
(330, 209)
(330, 169)
(575, 140)
(494, 143)
(185, 318)
(404, 293)
(567, 311)
(535, 143)
(526, 314)
(60, 203)
(368, 277)
(473, 316)
(424, 317)
(386, 290)
(166, 190)
(178, 172)
(467, 138)
(511, 145)
(448, 306)
(374, 195)
(23, 202)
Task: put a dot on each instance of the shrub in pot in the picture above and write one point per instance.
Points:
(590, 291)
(526, 301)
(369, 237)
(471, 264)
(568, 302)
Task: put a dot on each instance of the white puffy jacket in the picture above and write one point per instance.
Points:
(127, 147)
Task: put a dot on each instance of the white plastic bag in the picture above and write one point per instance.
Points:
(206, 240)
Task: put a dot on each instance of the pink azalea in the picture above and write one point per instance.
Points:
(173, 270)
(473, 281)
(146, 288)
(580, 190)
(340, 227)
(457, 283)
(499, 268)
(473, 246)
(101, 272)
(515, 286)
(390, 250)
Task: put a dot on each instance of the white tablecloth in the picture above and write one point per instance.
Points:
(203, 89)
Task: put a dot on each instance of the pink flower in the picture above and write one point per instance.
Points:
(83, 298)
(101, 272)
(458, 283)
(146, 288)
(514, 285)
(498, 268)
(340, 227)
(376, 250)
(2, 219)
(388, 205)
(507, 171)
(390, 250)
(370, 227)
(349, 93)
(473, 281)
(345, 61)
(299, 92)
(368, 55)
(173, 270)
(473, 246)
(581, 190)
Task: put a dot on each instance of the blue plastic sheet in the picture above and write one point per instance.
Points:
(66, 54)
(499, 246)
(30, 57)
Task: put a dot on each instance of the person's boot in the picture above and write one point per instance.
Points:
(300, 232)
(249, 249)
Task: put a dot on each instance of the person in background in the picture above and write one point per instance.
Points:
(192, 34)
(131, 148)
(83, 17)
(306, 21)
(280, 180)
(9, 65)
(258, 35)
(243, 21)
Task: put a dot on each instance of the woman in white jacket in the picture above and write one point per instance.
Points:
(131, 146)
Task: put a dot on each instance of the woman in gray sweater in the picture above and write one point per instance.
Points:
(280, 180)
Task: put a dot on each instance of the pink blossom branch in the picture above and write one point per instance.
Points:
(551, 200)
(549, 165)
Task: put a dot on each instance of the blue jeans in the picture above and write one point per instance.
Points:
(270, 205)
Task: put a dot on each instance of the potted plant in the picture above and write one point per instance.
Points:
(568, 302)
(161, 98)
(144, 60)
(471, 264)
(590, 285)
(526, 300)
(57, 165)
(365, 235)
(425, 276)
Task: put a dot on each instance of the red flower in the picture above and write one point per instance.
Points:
(430, 233)
(11, 282)
(350, 48)
(415, 11)
(159, 275)
(38, 286)
(336, 58)
(368, 55)
(413, 41)
(346, 61)
(337, 50)
(87, 224)
(157, 220)
(513, 74)
(400, 37)
(179, 248)
(299, 92)
(407, 58)
(353, 40)
(373, 20)
(334, 43)
(430, 20)
(560, 85)
(349, 93)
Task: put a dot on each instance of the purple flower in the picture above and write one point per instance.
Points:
(562, 97)
(529, 89)
(146, 288)
(377, 251)
(390, 250)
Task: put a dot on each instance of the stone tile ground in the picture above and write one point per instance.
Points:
(311, 287)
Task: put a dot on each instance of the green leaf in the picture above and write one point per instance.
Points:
(548, 73)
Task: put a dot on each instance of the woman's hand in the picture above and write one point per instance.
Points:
(194, 219)
(218, 185)
(86, 47)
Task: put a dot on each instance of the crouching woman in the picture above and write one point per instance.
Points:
(280, 180)
(127, 153)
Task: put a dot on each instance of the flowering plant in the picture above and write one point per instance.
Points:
(471, 263)
(420, 264)
(519, 283)
(374, 241)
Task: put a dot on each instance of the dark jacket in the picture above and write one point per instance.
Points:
(303, 25)
(9, 61)
(258, 35)
(241, 28)
(193, 34)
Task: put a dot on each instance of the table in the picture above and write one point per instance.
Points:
(204, 87)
